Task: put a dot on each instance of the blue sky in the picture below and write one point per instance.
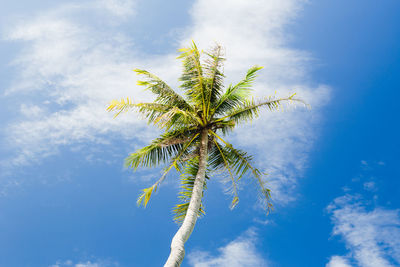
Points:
(66, 200)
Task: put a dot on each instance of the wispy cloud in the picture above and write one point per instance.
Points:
(68, 74)
(70, 67)
(240, 252)
(371, 234)
(338, 261)
(70, 263)
(121, 8)
(370, 186)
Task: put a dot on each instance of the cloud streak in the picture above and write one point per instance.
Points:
(372, 236)
(70, 263)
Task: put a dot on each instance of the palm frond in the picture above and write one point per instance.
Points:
(151, 111)
(161, 149)
(175, 118)
(241, 163)
(238, 94)
(144, 198)
(192, 77)
(119, 106)
(187, 183)
(163, 115)
(165, 94)
(228, 166)
(147, 192)
(250, 108)
(214, 76)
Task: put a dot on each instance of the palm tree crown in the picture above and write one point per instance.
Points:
(207, 112)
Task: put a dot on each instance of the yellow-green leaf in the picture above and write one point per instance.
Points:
(145, 196)
(235, 201)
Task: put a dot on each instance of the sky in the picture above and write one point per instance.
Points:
(67, 200)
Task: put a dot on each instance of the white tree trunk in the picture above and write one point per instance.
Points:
(178, 242)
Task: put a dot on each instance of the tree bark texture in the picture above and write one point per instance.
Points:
(182, 235)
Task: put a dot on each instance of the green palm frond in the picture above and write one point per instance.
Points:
(175, 118)
(187, 182)
(228, 166)
(250, 108)
(152, 155)
(161, 149)
(241, 162)
(119, 106)
(238, 94)
(144, 198)
(192, 77)
(147, 192)
(163, 115)
(214, 76)
(151, 111)
(165, 94)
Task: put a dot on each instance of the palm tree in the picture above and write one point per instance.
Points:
(194, 129)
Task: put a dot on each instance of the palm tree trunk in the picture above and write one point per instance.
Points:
(178, 242)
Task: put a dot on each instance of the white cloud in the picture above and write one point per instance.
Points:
(70, 263)
(372, 236)
(240, 252)
(257, 39)
(75, 68)
(74, 73)
(31, 110)
(338, 261)
(122, 8)
(370, 186)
